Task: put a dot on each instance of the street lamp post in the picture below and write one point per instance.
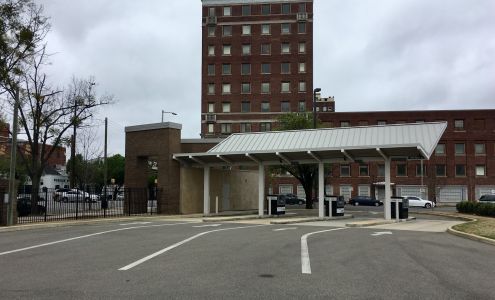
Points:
(316, 90)
(167, 112)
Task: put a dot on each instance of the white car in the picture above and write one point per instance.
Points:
(418, 202)
(75, 195)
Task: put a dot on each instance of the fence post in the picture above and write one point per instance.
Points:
(46, 203)
(77, 204)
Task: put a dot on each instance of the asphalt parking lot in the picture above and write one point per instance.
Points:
(189, 260)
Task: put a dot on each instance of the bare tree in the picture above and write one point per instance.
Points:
(90, 149)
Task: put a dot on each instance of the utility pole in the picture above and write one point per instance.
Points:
(73, 147)
(13, 161)
(105, 165)
(315, 91)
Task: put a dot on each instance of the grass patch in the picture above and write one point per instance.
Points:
(483, 227)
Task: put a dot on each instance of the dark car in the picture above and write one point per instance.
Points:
(487, 199)
(293, 199)
(24, 207)
(365, 200)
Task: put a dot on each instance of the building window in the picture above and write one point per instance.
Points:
(458, 124)
(285, 28)
(345, 170)
(245, 127)
(226, 88)
(285, 48)
(265, 29)
(265, 126)
(285, 8)
(285, 106)
(401, 169)
(265, 68)
(345, 124)
(285, 87)
(211, 69)
(265, 49)
(245, 106)
(246, 29)
(460, 149)
(226, 128)
(419, 172)
(226, 107)
(246, 10)
(440, 149)
(381, 170)
(245, 69)
(364, 170)
(302, 47)
(227, 11)
(301, 27)
(302, 106)
(211, 128)
(211, 31)
(265, 87)
(245, 88)
(211, 11)
(246, 49)
(302, 86)
(227, 30)
(460, 170)
(285, 68)
(227, 49)
(302, 67)
(226, 69)
(441, 170)
(381, 122)
(479, 149)
(211, 50)
(265, 9)
(480, 170)
(265, 106)
(302, 7)
(211, 107)
(211, 89)
(360, 123)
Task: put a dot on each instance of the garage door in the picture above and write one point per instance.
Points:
(450, 193)
(346, 191)
(412, 190)
(285, 189)
(364, 190)
(300, 192)
(484, 190)
(329, 190)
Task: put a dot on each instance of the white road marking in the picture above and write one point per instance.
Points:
(211, 225)
(305, 263)
(282, 229)
(86, 236)
(381, 233)
(144, 259)
(135, 223)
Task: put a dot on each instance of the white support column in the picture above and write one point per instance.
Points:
(261, 189)
(206, 190)
(321, 190)
(388, 191)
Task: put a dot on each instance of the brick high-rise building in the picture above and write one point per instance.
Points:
(257, 63)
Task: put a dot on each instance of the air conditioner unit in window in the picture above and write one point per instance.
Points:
(210, 118)
(211, 20)
(302, 17)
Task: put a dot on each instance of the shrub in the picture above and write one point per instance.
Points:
(480, 209)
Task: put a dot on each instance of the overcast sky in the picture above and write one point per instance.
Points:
(369, 54)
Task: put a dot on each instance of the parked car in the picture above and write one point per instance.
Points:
(76, 195)
(293, 199)
(419, 202)
(487, 198)
(24, 206)
(365, 200)
(58, 193)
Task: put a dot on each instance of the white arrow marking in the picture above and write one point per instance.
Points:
(305, 263)
(211, 225)
(135, 223)
(282, 229)
(381, 233)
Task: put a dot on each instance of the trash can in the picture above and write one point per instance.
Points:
(338, 204)
(403, 207)
(277, 204)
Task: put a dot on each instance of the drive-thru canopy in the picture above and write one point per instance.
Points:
(319, 146)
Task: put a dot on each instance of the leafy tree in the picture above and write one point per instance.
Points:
(116, 168)
(306, 174)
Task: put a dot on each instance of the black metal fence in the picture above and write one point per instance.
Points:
(67, 204)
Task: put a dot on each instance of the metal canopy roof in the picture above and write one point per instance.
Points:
(368, 143)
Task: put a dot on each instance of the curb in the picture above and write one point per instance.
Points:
(378, 222)
(315, 219)
(449, 215)
(471, 236)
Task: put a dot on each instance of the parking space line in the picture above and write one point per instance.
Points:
(144, 259)
(282, 229)
(86, 236)
(305, 263)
